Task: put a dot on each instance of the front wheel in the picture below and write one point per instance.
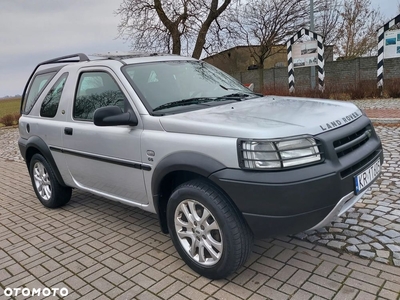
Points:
(207, 230)
(47, 188)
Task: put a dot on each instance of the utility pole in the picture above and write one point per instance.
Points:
(312, 28)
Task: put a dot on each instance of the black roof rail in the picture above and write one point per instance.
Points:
(57, 60)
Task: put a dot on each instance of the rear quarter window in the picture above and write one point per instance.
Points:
(50, 103)
(39, 82)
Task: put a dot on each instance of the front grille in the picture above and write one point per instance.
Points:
(351, 142)
(359, 165)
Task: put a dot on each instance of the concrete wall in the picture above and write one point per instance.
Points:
(347, 73)
(239, 58)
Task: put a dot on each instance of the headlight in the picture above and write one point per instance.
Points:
(277, 154)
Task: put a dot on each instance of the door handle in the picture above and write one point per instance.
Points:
(68, 130)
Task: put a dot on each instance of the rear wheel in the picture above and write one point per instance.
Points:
(207, 230)
(47, 188)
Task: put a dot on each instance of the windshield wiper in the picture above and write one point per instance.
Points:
(240, 90)
(240, 96)
(201, 100)
(184, 102)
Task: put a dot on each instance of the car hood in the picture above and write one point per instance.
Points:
(266, 117)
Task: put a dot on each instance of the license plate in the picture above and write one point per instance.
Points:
(363, 179)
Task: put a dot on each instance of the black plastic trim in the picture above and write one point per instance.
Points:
(184, 161)
(37, 143)
(194, 162)
(352, 143)
(264, 226)
(110, 160)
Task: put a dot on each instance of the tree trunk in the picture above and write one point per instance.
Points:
(212, 15)
(176, 41)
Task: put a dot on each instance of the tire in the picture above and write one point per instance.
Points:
(47, 188)
(207, 230)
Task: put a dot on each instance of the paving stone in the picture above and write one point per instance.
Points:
(351, 221)
(383, 208)
(340, 237)
(357, 228)
(377, 246)
(390, 217)
(351, 233)
(366, 224)
(383, 253)
(327, 236)
(392, 233)
(371, 233)
(367, 254)
(382, 221)
(352, 249)
(394, 248)
(323, 242)
(379, 228)
(341, 225)
(364, 238)
(384, 239)
(353, 215)
(364, 247)
(313, 238)
(353, 241)
(336, 244)
(335, 230)
(377, 213)
(382, 260)
(367, 217)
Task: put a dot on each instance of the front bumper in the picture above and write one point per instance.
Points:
(291, 201)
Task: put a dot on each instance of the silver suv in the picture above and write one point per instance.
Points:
(177, 137)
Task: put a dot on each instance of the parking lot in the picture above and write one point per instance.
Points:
(99, 249)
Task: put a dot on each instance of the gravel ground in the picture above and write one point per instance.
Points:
(371, 229)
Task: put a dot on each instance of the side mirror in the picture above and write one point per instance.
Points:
(113, 116)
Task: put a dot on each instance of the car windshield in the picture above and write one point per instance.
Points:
(175, 85)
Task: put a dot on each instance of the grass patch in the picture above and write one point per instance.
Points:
(9, 107)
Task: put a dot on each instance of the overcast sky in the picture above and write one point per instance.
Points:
(32, 31)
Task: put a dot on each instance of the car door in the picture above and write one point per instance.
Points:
(103, 160)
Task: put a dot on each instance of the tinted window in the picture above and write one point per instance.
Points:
(50, 103)
(37, 86)
(95, 90)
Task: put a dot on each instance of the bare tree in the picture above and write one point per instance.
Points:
(263, 24)
(327, 16)
(357, 29)
(169, 25)
(266, 23)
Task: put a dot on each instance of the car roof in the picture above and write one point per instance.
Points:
(105, 58)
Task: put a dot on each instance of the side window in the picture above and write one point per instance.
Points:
(95, 90)
(37, 86)
(50, 103)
